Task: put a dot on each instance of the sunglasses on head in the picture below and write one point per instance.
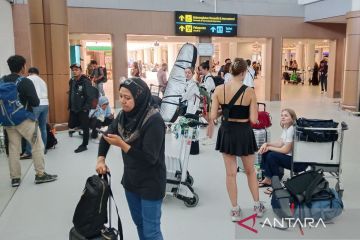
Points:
(130, 81)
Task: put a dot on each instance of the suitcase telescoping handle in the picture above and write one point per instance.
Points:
(261, 104)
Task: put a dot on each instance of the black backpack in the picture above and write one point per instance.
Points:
(218, 80)
(104, 79)
(94, 94)
(91, 212)
(51, 139)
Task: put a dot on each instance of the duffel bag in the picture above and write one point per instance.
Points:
(310, 135)
(325, 205)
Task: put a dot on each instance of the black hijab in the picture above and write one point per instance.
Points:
(131, 122)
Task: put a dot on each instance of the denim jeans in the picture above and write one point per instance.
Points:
(41, 114)
(272, 162)
(146, 215)
(100, 87)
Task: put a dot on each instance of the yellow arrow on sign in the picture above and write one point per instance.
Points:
(182, 28)
(181, 17)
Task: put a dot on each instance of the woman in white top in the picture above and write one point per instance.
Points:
(192, 97)
(278, 154)
(192, 93)
(208, 80)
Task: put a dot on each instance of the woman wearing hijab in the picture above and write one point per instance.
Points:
(139, 131)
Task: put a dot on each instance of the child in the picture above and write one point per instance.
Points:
(101, 116)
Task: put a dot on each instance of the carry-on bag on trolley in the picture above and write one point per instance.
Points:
(264, 118)
(319, 143)
(178, 180)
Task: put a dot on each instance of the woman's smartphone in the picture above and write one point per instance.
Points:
(102, 132)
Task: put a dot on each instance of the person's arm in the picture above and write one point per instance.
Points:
(87, 104)
(104, 145)
(253, 117)
(27, 93)
(152, 141)
(285, 149)
(214, 110)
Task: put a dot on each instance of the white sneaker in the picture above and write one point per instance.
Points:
(259, 210)
(207, 141)
(235, 214)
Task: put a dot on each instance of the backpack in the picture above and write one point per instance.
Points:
(218, 80)
(51, 139)
(104, 79)
(12, 112)
(306, 195)
(264, 119)
(91, 211)
(94, 94)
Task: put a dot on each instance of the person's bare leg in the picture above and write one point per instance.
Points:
(248, 162)
(231, 172)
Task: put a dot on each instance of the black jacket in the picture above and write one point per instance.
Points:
(27, 92)
(79, 99)
(144, 163)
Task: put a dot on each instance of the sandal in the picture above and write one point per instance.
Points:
(262, 185)
(268, 191)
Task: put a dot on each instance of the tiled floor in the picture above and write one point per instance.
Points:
(45, 211)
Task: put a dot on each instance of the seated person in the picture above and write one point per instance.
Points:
(278, 155)
(101, 116)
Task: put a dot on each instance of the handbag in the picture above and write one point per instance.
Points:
(264, 118)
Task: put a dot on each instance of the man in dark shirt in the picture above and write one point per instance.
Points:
(28, 129)
(79, 104)
(97, 76)
(221, 72)
(323, 74)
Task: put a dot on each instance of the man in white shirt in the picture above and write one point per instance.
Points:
(40, 112)
(250, 75)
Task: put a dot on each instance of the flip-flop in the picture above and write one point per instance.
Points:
(268, 191)
(262, 185)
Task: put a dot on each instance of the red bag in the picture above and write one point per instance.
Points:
(264, 118)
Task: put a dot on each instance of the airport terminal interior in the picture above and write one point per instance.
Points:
(303, 55)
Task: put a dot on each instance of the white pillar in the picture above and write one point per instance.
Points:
(223, 52)
(263, 57)
(318, 56)
(300, 55)
(172, 53)
(157, 55)
(309, 55)
(233, 50)
(147, 56)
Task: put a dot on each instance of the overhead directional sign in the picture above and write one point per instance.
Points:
(205, 24)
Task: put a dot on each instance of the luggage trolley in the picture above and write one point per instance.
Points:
(320, 155)
(178, 180)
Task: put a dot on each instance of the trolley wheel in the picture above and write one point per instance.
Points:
(70, 134)
(192, 202)
(339, 191)
(189, 179)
